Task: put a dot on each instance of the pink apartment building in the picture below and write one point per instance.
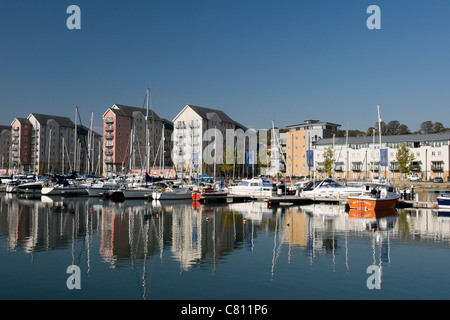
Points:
(21, 144)
(125, 140)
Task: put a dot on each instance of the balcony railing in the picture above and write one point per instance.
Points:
(109, 136)
(109, 152)
(109, 128)
(393, 166)
(437, 166)
(109, 144)
(109, 120)
(108, 160)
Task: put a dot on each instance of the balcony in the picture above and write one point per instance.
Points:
(416, 167)
(109, 128)
(108, 160)
(109, 136)
(15, 134)
(393, 166)
(319, 166)
(109, 120)
(109, 144)
(339, 166)
(437, 166)
(180, 125)
(356, 166)
(109, 152)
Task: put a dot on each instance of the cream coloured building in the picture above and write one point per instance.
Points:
(358, 158)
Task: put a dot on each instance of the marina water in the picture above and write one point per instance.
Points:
(143, 250)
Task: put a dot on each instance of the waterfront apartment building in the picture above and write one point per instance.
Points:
(49, 144)
(299, 143)
(191, 136)
(135, 142)
(359, 158)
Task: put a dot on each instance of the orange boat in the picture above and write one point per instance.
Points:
(375, 196)
(209, 195)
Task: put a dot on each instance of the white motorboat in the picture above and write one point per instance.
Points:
(330, 189)
(64, 189)
(255, 187)
(172, 194)
(136, 192)
(98, 189)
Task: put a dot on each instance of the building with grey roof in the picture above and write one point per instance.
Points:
(135, 141)
(360, 157)
(49, 144)
(194, 129)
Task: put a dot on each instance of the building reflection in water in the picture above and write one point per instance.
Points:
(203, 236)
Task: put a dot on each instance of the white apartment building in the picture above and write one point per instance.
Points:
(191, 135)
(358, 158)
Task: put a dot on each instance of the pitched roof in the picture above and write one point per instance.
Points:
(62, 121)
(123, 110)
(23, 120)
(208, 113)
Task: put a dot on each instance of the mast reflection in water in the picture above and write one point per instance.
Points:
(181, 250)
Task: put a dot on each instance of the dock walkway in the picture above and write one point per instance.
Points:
(292, 200)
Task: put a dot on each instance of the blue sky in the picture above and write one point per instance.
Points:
(257, 60)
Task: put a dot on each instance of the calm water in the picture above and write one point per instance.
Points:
(146, 250)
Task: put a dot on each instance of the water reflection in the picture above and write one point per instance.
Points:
(202, 236)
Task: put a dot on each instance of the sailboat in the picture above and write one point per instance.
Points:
(65, 186)
(212, 192)
(142, 191)
(172, 194)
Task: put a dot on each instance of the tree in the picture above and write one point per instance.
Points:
(404, 158)
(370, 130)
(328, 162)
(438, 127)
(426, 127)
(393, 127)
(403, 129)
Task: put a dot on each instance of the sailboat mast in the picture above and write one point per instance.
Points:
(163, 141)
(379, 133)
(75, 141)
(147, 133)
(90, 153)
(49, 150)
(379, 124)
